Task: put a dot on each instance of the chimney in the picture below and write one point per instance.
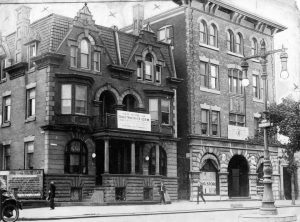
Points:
(23, 22)
(138, 18)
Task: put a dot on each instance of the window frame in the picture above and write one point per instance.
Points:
(73, 56)
(6, 157)
(163, 161)
(30, 103)
(159, 111)
(213, 35)
(2, 73)
(203, 32)
(230, 40)
(208, 122)
(236, 122)
(97, 61)
(73, 99)
(85, 53)
(83, 158)
(239, 44)
(238, 88)
(6, 112)
(29, 163)
(254, 46)
(166, 30)
(207, 76)
(32, 54)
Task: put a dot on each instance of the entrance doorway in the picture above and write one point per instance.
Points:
(238, 181)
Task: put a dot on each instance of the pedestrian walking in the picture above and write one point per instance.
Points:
(162, 190)
(200, 193)
(51, 195)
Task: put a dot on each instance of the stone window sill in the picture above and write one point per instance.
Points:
(30, 119)
(255, 60)
(214, 91)
(209, 46)
(6, 124)
(85, 70)
(235, 54)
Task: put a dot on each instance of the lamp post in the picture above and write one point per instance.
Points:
(267, 207)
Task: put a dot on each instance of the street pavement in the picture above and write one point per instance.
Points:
(178, 207)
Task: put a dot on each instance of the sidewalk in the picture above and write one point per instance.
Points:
(128, 210)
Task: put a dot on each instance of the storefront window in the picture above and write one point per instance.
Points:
(209, 177)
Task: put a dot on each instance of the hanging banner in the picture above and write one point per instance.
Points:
(25, 184)
(134, 121)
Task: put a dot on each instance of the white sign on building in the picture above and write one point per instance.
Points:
(237, 132)
(209, 182)
(134, 121)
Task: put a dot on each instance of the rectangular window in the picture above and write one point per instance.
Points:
(6, 164)
(256, 128)
(66, 99)
(84, 60)
(215, 123)
(139, 70)
(73, 56)
(18, 57)
(255, 86)
(80, 99)
(165, 34)
(235, 81)
(236, 119)
(153, 109)
(6, 109)
(203, 74)
(32, 53)
(158, 74)
(30, 111)
(2, 73)
(214, 76)
(204, 121)
(148, 71)
(97, 61)
(29, 147)
(165, 111)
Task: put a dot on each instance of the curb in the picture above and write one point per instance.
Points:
(147, 213)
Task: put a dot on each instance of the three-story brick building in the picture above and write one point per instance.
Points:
(217, 114)
(92, 106)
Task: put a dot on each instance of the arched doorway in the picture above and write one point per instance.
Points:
(107, 109)
(238, 181)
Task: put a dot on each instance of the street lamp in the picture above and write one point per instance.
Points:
(267, 207)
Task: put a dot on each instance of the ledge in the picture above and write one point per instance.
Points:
(174, 80)
(120, 72)
(6, 124)
(30, 119)
(48, 58)
(235, 54)
(214, 91)
(257, 100)
(16, 70)
(209, 47)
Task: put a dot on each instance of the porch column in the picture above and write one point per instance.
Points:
(106, 156)
(157, 159)
(132, 157)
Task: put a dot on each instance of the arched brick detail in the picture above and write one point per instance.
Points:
(149, 50)
(241, 152)
(209, 150)
(135, 94)
(108, 87)
(85, 35)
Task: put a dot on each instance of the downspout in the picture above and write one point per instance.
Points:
(116, 34)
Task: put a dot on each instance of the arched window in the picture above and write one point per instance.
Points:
(209, 177)
(213, 35)
(129, 103)
(162, 161)
(254, 46)
(76, 161)
(239, 44)
(84, 54)
(230, 41)
(203, 32)
(149, 67)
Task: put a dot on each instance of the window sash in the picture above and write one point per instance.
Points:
(213, 36)
(204, 121)
(7, 109)
(66, 99)
(73, 56)
(204, 74)
(80, 99)
(165, 111)
(214, 76)
(97, 61)
(148, 70)
(158, 74)
(153, 109)
(30, 102)
(139, 70)
(203, 32)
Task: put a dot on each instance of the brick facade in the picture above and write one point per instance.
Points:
(111, 159)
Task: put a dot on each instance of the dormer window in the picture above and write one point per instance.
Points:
(148, 67)
(165, 34)
(32, 52)
(84, 54)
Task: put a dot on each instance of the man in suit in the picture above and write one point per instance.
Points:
(162, 190)
(51, 196)
(200, 193)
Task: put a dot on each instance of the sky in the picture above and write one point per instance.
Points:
(111, 13)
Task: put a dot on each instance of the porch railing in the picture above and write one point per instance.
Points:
(109, 121)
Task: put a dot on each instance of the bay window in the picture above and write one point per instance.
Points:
(73, 99)
(160, 110)
(165, 111)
